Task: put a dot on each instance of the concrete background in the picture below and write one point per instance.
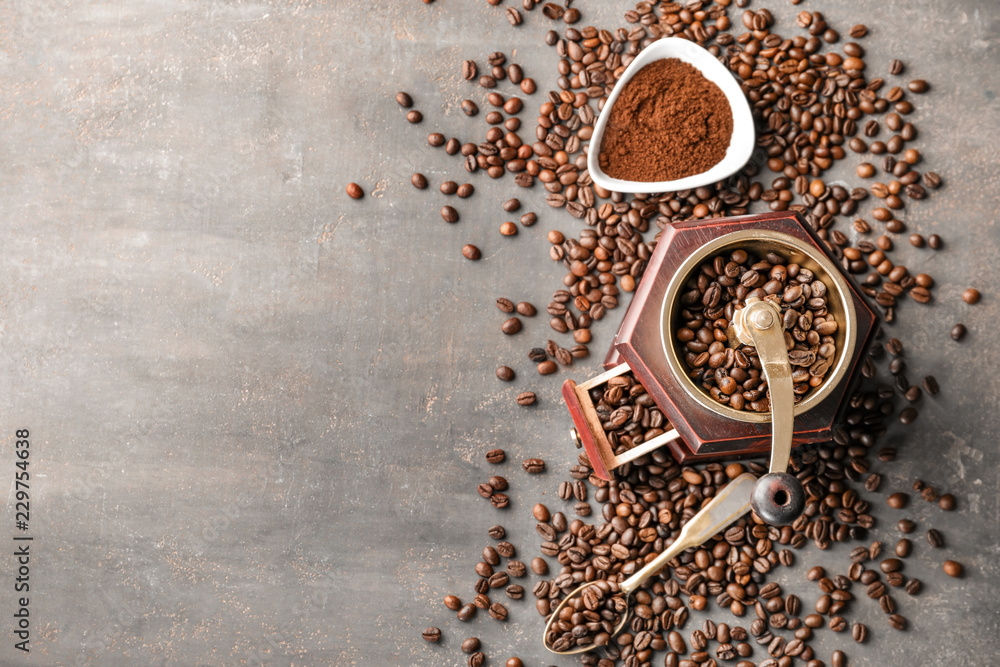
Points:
(258, 408)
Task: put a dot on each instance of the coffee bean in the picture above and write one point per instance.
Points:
(526, 398)
(908, 415)
(505, 305)
(508, 229)
(354, 191)
(499, 500)
(897, 500)
(913, 586)
(906, 526)
(953, 568)
(414, 116)
(470, 251)
(526, 309)
(511, 326)
(470, 645)
(958, 332)
(449, 214)
(469, 108)
(467, 613)
(838, 659)
(934, 538)
(547, 367)
(404, 100)
(539, 566)
(859, 631)
(432, 635)
(946, 502)
(873, 481)
(465, 190)
(815, 573)
(448, 188)
(505, 373)
(513, 16)
(533, 466)
(918, 86)
(897, 622)
(506, 549)
(891, 565)
(903, 547)
(435, 139)
(469, 70)
(477, 659)
(419, 181)
(935, 242)
(498, 611)
(537, 355)
(971, 295)
(496, 456)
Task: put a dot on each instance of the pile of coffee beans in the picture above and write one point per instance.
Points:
(720, 287)
(589, 618)
(813, 103)
(628, 414)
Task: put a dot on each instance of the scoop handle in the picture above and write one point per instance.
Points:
(727, 506)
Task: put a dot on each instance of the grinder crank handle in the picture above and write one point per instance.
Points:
(778, 497)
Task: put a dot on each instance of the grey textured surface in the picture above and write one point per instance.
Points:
(258, 408)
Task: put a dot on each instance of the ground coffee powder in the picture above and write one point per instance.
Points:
(669, 122)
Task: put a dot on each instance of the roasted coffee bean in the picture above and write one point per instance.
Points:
(547, 367)
(539, 566)
(496, 456)
(934, 538)
(908, 415)
(958, 332)
(946, 502)
(505, 373)
(511, 326)
(897, 622)
(499, 500)
(467, 612)
(469, 70)
(913, 586)
(526, 309)
(432, 635)
(897, 500)
(953, 568)
(903, 547)
(470, 251)
(971, 295)
(905, 526)
(449, 214)
(354, 191)
(470, 645)
(477, 659)
(414, 116)
(419, 181)
(465, 190)
(526, 398)
(533, 466)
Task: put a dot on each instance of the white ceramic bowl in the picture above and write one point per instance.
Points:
(741, 144)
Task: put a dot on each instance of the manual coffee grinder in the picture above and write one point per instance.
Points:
(700, 427)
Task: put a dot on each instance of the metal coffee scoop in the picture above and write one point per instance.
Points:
(727, 506)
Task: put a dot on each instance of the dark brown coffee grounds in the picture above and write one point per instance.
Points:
(669, 122)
